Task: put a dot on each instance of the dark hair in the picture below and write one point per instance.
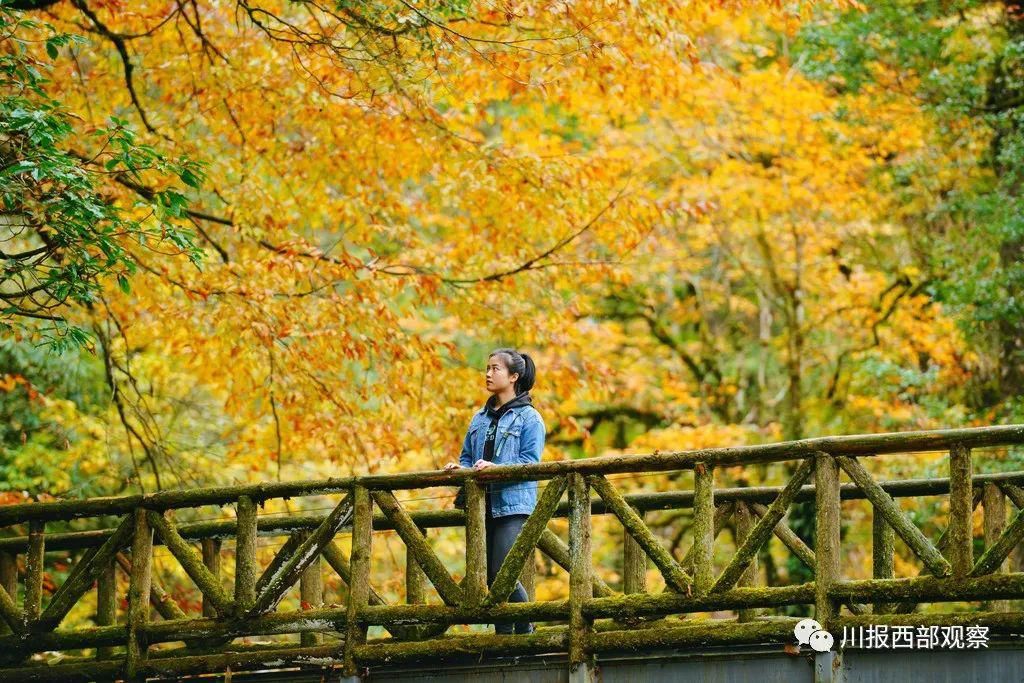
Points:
(518, 364)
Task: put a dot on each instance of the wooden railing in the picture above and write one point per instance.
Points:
(128, 642)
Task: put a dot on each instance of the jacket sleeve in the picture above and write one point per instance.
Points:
(531, 443)
(466, 456)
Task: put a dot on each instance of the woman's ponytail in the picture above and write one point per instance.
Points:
(527, 377)
(518, 364)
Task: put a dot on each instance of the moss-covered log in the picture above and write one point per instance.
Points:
(435, 570)
(12, 616)
(695, 634)
(793, 543)
(429, 519)
(580, 566)
(275, 584)
(854, 445)
(961, 525)
(998, 622)
(163, 603)
(930, 589)
(34, 571)
(662, 604)
(399, 615)
(474, 583)
(139, 583)
(826, 533)
(192, 563)
(67, 639)
(555, 548)
(106, 601)
(995, 554)
(883, 555)
(359, 584)
(702, 550)
(245, 553)
(762, 529)
(84, 575)
(475, 646)
(675, 577)
(902, 525)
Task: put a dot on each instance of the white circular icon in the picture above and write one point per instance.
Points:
(821, 641)
(804, 629)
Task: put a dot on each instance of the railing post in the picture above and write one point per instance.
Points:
(883, 546)
(528, 577)
(703, 527)
(9, 581)
(211, 558)
(960, 552)
(245, 554)
(34, 571)
(634, 563)
(580, 583)
(744, 520)
(106, 603)
(139, 586)
(359, 586)
(826, 533)
(311, 594)
(476, 543)
(994, 519)
(415, 580)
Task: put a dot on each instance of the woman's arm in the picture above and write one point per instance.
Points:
(466, 456)
(531, 442)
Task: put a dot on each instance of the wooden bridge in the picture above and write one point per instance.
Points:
(109, 545)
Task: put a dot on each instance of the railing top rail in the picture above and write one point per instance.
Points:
(850, 445)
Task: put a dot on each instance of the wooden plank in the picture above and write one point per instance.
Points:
(192, 563)
(906, 530)
(512, 566)
(677, 579)
(446, 587)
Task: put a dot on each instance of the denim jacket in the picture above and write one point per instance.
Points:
(519, 441)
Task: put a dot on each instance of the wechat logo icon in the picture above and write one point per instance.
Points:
(809, 632)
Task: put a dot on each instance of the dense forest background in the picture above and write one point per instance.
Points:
(263, 240)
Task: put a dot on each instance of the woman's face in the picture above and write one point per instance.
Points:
(498, 379)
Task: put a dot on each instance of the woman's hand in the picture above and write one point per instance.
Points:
(451, 466)
(482, 465)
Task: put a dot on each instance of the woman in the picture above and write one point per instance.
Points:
(506, 431)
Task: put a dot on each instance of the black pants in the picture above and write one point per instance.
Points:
(501, 534)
